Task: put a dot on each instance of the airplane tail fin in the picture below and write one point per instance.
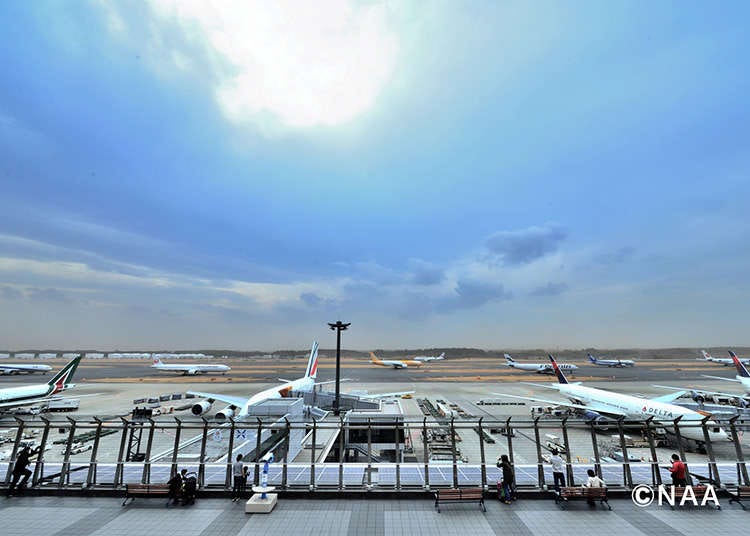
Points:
(741, 370)
(312, 362)
(157, 361)
(61, 380)
(706, 355)
(509, 359)
(592, 358)
(559, 373)
(374, 359)
(442, 356)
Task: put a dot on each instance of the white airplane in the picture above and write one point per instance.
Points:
(743, 376)
(27, 395)
(619, 363)
(426, 358)
(726, 361)
(189, 369)
(22, 368)
(395, 363)
(599, 405)
(240, 407)
(539, 368)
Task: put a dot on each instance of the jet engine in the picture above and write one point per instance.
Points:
(599, 420)
(199, 408)
(226, 413)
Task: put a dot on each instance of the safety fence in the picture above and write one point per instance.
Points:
(92, 453)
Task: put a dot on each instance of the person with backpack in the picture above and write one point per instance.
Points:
(508, 481)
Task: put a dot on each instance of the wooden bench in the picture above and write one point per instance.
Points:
(460, 495)
(145, 490)
(742, 492)
(580, 492)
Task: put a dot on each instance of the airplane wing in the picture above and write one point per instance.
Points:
(385, 395)
(668, 399)
(607, 411)
(720, 378)
(733, 395)
(237, 401)
(22, 403)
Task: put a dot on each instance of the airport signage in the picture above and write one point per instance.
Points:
(644, 495)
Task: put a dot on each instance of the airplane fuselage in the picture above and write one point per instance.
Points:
(636, 408)
(280, 391)
(17, 368)
(191, 369)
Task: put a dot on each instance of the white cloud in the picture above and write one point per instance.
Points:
(288, 63)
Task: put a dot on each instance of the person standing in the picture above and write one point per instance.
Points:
(20, 468)
(238, 478)
(508, 478)
(679, 471)
(558, 469)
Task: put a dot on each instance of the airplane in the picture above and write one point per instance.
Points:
(397, 364)
(619, 363)
(240, 407)
(743, 376)
(189, 369)
(598, 405)
(27, 395)
(426, 358)
(539, 368)
(726, 361)
(25, 368)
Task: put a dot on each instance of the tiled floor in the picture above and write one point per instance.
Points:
(69, 516)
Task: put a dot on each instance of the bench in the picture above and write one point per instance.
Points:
(145, 490)
(460, 495)
(742, 492)
(590, 494)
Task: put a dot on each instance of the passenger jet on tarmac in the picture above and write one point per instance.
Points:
(599, 405)
(23, 368)
(539, 368)
(189, 369)
(395, 363)
(619, 363)
(27, 395)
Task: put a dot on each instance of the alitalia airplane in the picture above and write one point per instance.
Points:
(539, 368)
(23, 368)
(27, 395)
(190, 369)
(395, 363)
(240, 407)
(600, 405)
(619, 363)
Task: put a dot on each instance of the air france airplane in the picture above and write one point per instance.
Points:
(240, 407)
(539, 368)
(23, 368)
(599, 405)
(619, 363)
(189, 369)
(395, 363)
(27, 395)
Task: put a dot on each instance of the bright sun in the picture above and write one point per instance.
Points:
(303, 63)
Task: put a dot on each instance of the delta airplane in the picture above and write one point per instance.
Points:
(189, 369)
(726, 361)
(539, 368)
(25, 368)
(598, 405)
(426, 358)
(619, 363)
(240, 407)
(397, 364)
(27, 395)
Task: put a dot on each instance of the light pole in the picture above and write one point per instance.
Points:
(339, 326)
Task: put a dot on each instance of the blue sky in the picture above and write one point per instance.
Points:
(502, 175)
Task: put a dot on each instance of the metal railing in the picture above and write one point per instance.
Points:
(424, 454)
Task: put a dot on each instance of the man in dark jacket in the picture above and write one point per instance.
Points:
(508, 481)
(20, 468)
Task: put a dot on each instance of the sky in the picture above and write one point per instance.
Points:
(192, 175)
